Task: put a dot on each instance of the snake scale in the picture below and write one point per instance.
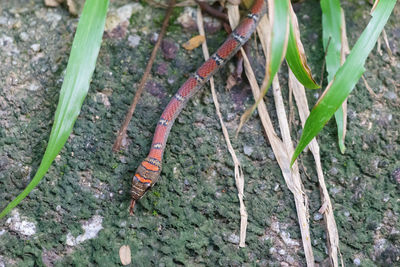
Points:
(149, 170)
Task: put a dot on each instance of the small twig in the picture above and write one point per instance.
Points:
(128, 117)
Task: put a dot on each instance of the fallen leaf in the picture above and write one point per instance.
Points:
(194, 42)
(125, 254)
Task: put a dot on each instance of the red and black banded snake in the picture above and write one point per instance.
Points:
(149, 170)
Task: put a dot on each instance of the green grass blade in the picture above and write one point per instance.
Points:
(279, 39)
(332, 27)
(296, 57)
(81, 64)
(340, 123)
(332, 35)
(277, 44)
(346, 77)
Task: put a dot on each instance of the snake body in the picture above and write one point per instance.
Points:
(149, 170)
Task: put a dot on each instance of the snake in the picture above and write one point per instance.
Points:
(148, 172)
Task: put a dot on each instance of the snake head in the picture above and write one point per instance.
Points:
(146, 176)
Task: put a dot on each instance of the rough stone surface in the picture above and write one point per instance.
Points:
(191, 216)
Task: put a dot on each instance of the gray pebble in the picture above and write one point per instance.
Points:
(24, 36)
(248, 150)
(133, 40)
(317, 216)
(234, 239)
(35, 47)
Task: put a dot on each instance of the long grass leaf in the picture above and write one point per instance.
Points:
(81, 64)
(335, 44)
(346, 77)
(296, 56)
(277, 44)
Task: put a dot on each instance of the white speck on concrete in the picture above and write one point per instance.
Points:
(8, 46)
(35, 47)
(23, 227)
(275, 227)
(276, 187)
(317, 216)
(248, 150)
(288, 241)
(234, 239)
(33, 86)
(91, 228)
(133, 40)
(24, 36)
(103, 98)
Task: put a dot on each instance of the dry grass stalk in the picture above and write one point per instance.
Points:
(279, 148)
(293, 180)
(326, 207)
(239, 177)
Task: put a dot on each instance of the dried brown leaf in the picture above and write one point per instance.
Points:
(194, 42)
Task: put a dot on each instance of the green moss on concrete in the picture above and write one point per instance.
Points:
(191, 216)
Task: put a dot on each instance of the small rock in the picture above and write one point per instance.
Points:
(230, 117)
(288, 241)
(169, 49)
(317, 216)
(133, 40)
(276, 187)
(391, 95)
(103, 98)
(8, 46)
(155, 89)
(275, 227)
(248, 150)
(35, 47)
(162, 68)
(3, 162)
(333, 171)
(3, 21)
(188, 18)
(386, 199)
(24, 36)
(282, 252)
(396, 175)
(33, 87)
(351, 114)
(154, 38)
(234, 239)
